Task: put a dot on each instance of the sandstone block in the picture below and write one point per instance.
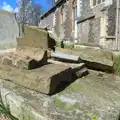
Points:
(35, 37)
(6, 60)
(93, 61)
(79, 70)
(44, 79)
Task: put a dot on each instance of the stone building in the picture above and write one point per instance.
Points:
(97, 22)
(85, 21)
(61, 19)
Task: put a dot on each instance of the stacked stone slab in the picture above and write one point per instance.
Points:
(44, 79)
(28, 65)
(94, 58)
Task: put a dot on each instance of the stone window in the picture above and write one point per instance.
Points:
(96, 2)
(62, 15)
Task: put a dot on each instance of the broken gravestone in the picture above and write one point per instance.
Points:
(28, 66)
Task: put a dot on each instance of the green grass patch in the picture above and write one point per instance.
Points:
(5, 110)
(64, 105)
(4, 46)
(58, 43)
(117, 65)
(66, 46)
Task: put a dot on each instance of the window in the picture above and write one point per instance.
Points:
(62, 15)
(96, 2)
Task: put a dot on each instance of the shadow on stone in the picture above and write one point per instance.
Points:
(64, 84)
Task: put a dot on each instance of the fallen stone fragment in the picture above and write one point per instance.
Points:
(34, 53)
(65, 57)
(44, 79)
(6, 60)
(27, 63)
(24, 61)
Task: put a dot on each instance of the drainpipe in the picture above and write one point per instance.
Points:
(117, 24)
(78, 8)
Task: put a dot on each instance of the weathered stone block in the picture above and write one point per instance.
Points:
(27, 63)
(65, 57)
(96, 59)
(6, 60)
(79, 70)
(44, 79)
(34, 53)
(30, 63)
(36, 38)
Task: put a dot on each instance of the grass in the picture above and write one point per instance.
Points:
(117, 65)
(4, 46)
(66, 46)
(5, 111)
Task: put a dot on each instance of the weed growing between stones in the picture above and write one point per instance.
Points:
(94, 117)
(5, 110)
(117, 66)
(4, 46)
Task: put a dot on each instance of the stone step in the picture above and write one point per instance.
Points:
(24, 104)
(92, 60)
(79, 69)
(44, 79)
(23, 61)
(65, 57)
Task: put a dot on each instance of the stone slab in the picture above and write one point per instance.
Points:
(24, 60)
(6, 60)
(35, 37)
(44, 79)
(24, 104)
(65, 57)
(79, 69)
(93, 96)
(91, 60)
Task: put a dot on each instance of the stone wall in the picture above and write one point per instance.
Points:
(9, 28)
(97, 23)
(59, 20)
(47, 21)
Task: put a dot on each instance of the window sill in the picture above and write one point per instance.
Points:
(98, 5)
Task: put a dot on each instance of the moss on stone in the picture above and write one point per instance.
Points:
(64, 105)
(76, 87)
(69, 46)
(66, 46)
(25, 115)
(58, 43)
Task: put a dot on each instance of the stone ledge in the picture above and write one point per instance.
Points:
(44, 79)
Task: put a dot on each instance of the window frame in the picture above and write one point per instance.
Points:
(97, 4)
